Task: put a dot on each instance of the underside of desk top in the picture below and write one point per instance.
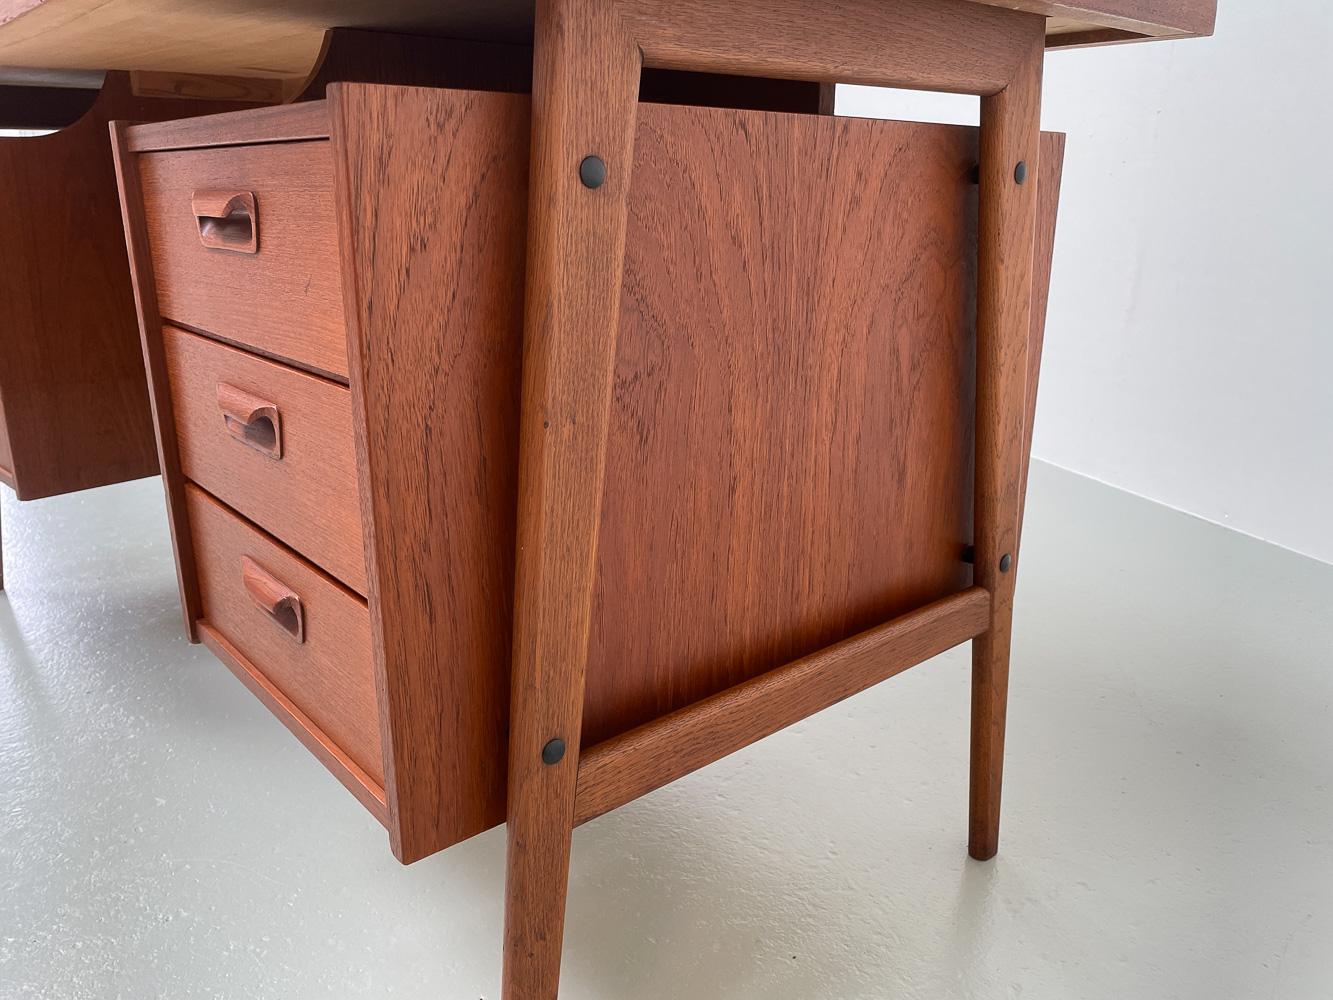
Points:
(55, 41)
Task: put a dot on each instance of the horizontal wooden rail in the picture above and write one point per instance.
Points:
(657, 753)
(965, 48)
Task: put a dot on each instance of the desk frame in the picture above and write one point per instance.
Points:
(588, 57)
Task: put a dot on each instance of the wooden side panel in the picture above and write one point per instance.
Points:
(431, 206)
(743, 528)
(155, 367)
(791, 434)
(76, 406)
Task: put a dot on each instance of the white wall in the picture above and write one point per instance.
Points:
(1189, 350)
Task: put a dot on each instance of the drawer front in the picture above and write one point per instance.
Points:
(245, 246)
(307, 635)
(274, 443)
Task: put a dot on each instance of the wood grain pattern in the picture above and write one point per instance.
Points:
(247, 89)
(1010, 134)
(154, 363)
(76, 407)
(308, 498)
(241, 37)
(432, 207)
(659, 752)
(584, 101)
(286, 123)
(790, 441)
(377, 57)
(452, 396)
(328, 677)
(633, 763)
(583, 92)
(284, 301)
(951, 45)
(1142, 17)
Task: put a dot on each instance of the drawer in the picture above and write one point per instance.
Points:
(272, 442)
(245, 246)
(308, 636)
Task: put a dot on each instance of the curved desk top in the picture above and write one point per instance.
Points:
(282, 38)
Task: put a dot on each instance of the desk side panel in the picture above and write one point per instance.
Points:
(791, 436)
(431, 192)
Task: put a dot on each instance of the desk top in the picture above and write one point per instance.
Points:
(55, 39)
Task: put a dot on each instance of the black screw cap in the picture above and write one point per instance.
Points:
(553, 752)
(1005, 562)
(592, 172)
(1021, 171)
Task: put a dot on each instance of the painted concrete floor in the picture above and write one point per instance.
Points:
(1168, 826)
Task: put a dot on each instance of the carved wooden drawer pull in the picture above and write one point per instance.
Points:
(251, 420)
(276, 599)
(227, 220)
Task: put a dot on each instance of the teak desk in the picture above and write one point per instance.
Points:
(746, 400)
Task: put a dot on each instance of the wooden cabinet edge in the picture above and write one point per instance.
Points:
(159, 392)
(443, 748)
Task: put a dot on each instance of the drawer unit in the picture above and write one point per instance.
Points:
(293, 626)
(790, 438)
(273, 442)
(348, 452)
(244, 245)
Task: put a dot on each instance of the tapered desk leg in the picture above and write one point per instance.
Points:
(585, 91)
(1010, 136)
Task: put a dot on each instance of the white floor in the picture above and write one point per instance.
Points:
(1168, 824)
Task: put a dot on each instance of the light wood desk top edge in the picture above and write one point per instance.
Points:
(68, 38)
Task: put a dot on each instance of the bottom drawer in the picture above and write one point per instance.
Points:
(304, 634)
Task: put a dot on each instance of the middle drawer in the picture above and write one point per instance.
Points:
(272, 442)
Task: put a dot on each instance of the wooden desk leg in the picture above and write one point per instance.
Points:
(585, 91)
(1010, 135)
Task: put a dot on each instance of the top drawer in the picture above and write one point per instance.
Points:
(245, 246)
